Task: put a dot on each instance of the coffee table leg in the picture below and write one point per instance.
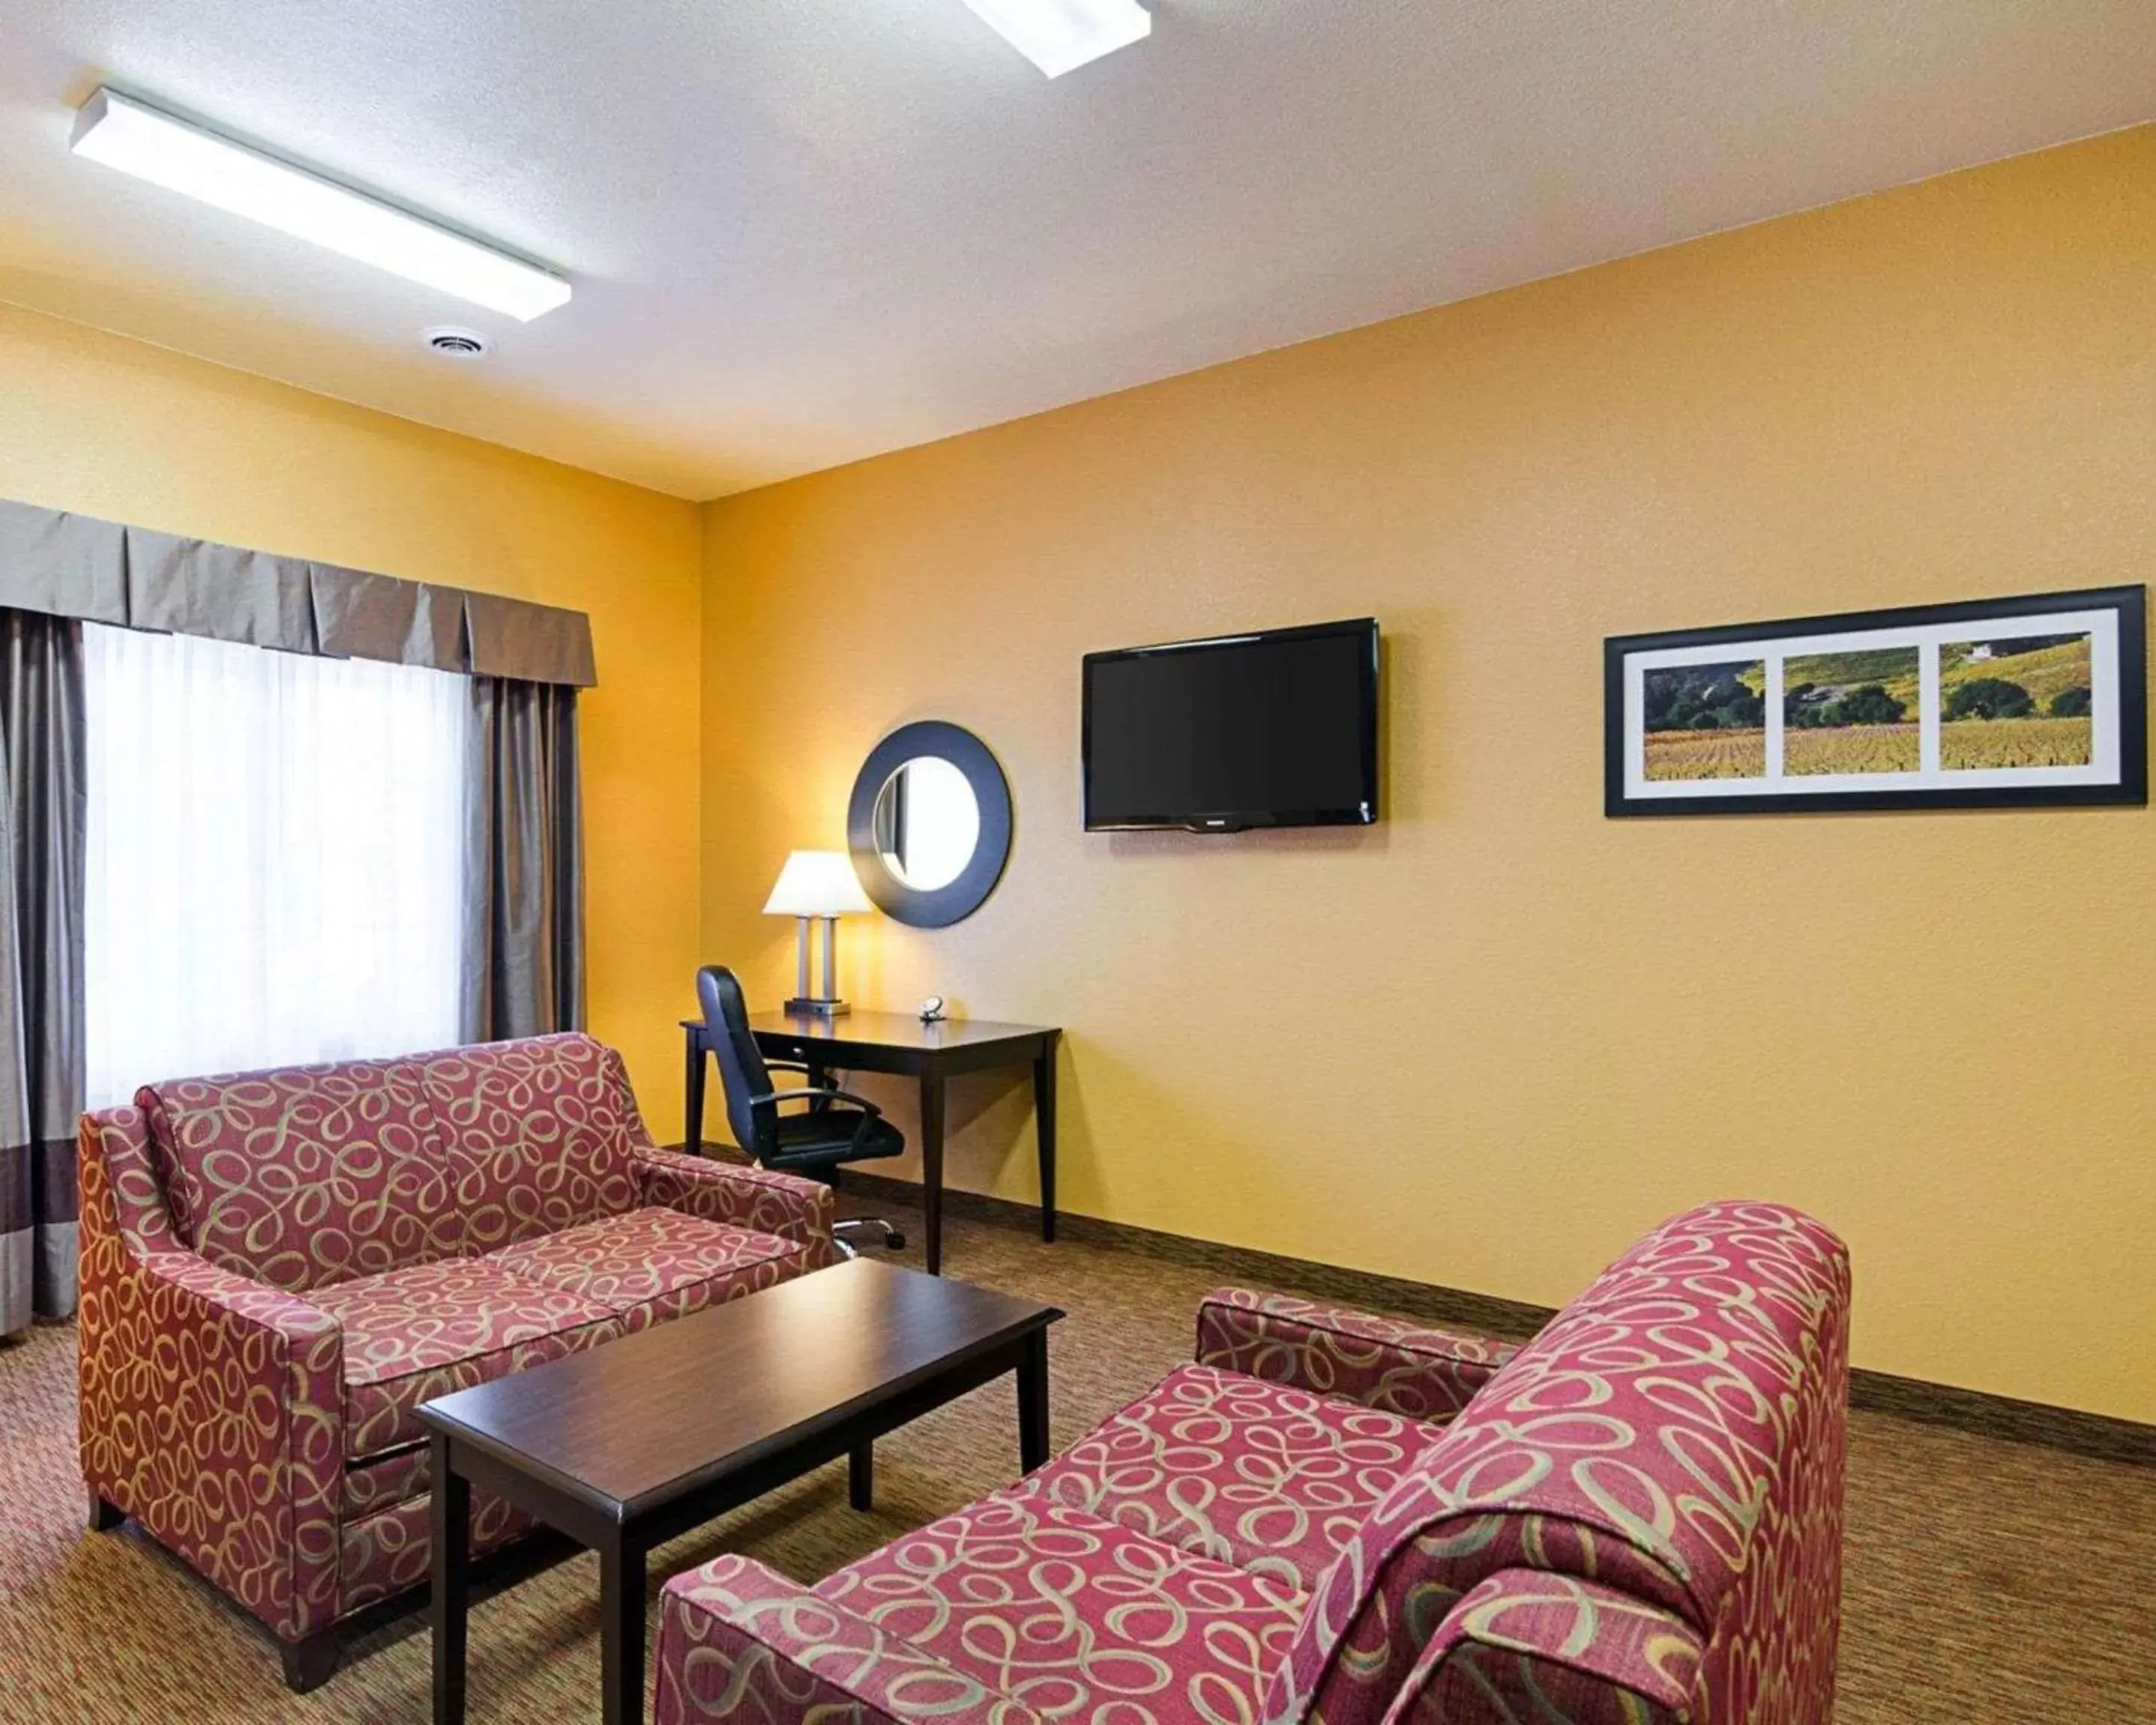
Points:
(1033, 1402)
(621, 1632)
(450, 1598)
(860, 1476)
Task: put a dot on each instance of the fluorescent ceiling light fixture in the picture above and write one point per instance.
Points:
(181, 156)
(1057, 35)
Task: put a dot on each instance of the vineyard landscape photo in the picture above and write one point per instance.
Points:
(1851, 712)
(2017, 702)
(1707, 721)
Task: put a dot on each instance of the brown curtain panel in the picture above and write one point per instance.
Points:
(44, 807)
(524, 864)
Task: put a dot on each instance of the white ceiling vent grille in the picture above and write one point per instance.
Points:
(453, 342)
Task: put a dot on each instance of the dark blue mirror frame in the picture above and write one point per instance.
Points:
(943, 906)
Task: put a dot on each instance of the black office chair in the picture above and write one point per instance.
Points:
(838, 1127)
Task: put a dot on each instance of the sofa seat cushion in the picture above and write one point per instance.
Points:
(411, 1335)
(1079, 1618)
(1268, 1478)
(653, 1264)
(379, 1481)
(390, 1551)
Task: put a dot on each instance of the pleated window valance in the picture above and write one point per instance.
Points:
(68, 565)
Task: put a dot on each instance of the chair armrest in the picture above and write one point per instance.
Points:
(1527, 1644)
(212, 1405)
(817, 1093)
(1384, 1362)
(739, 1642)
(784, 1204)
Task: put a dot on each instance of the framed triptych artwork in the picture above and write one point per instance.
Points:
(1998, 703)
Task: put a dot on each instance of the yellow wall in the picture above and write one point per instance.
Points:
(1486, 1042)
(108, 427)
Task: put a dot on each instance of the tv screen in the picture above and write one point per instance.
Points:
(1272, 729)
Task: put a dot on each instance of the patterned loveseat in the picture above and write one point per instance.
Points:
(278, 1267)
(1344, 1519)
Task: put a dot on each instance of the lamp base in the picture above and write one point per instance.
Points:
(801, 1008)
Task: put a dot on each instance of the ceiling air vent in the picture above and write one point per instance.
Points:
(452, 342)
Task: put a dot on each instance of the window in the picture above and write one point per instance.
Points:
(276, 858)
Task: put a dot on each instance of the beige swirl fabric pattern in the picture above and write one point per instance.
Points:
(1384, 1362)
(652, 1265)
(1270, 1479)
(379, 1481)
(1634, 1520)
(391, 1550)
(1075, 1615)
(277, 1269)
(745, 1645)
(1525, 1647)
(306, 1175)
(541, 1135)
(1676, 1431)
(759, 1199)
(417, 1334)
(210, 1401)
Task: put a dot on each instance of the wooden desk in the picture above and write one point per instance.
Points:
(900, 1043)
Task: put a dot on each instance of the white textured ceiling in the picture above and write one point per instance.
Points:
(807, 231)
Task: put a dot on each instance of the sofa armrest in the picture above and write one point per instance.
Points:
(212, 1405)
(1525, 1643)
(784, 1204)
(271, 1321)
(740, 1643)
(1384, 1362)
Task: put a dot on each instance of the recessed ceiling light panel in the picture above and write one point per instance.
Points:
(1059, 35)
(181, 156)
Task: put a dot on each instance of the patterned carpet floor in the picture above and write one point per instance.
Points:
(1986, 1580)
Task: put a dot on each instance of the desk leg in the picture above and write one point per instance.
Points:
(860, 1475)
(1044, 1128)
(932, 1168)
(451, 1595)
(621, 1631)
(1033, 1402)
(692, 1099)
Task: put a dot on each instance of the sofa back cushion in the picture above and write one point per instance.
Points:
(303, 1176)
(539, 1135)
(1690, 1398)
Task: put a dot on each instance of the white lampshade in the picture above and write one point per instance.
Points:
(817, 883)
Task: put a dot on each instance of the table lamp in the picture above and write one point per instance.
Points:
(819, 884)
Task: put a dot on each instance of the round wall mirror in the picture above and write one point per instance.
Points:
(929, 823)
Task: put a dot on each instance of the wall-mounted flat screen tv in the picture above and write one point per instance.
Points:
(1278, 729)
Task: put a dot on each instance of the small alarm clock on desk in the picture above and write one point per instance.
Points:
(932, 1010)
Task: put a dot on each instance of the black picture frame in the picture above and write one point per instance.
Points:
(2130, 788)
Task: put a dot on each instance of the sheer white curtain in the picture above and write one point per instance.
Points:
(276, 858)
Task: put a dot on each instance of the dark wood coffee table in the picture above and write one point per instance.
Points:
(636, 1442)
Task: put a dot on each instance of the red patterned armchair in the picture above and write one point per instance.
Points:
(278, 1267)
(1332, 1519)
